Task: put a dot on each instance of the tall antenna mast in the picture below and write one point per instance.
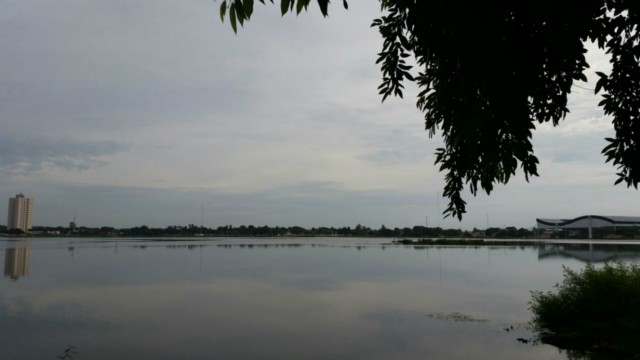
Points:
(439, 213)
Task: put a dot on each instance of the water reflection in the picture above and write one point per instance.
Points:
(590, 253)
(258, 246)
(284, 299)
(16, 262)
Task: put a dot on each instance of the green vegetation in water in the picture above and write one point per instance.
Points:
(455, 316)
(68, 353)
(594, 314)
(439, 242)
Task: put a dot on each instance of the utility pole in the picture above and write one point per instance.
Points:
(439, 213)
(201, 216)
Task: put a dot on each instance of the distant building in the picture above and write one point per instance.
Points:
(588, 222)
(20, 213)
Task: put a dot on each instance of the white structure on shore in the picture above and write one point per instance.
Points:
(589, 222)
(20, 213)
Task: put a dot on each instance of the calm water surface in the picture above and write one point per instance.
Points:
(277, 299)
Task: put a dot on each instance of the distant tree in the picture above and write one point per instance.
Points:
(297, 230)
(418, 231)
(15, 232)
(488, 71)
(359, 230)
(106, 229)
(511, 232)
(524, 233)
(407, 232)
(491, 232)
(346, 231)
(436, 232)
(384, 231)
(452, 233)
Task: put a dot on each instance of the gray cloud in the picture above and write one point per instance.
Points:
(306, 204)
(24, 156)
(392, 156)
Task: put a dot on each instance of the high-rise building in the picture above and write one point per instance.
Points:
(20, 213)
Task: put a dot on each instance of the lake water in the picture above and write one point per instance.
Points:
(309, 298)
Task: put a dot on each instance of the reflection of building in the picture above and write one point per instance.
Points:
(20, 213)
(590, 252)
(16, 262)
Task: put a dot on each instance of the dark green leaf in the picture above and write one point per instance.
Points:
(232, 18)
(239, 11)
(324, 7)
(248, 8)
(284, 6)
(223, 10)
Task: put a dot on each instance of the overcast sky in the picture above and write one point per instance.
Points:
(153, 112)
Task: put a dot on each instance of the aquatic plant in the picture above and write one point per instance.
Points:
(593, 312)
(68, 353)
(456, 317)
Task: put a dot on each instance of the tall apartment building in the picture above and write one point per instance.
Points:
(20, 213)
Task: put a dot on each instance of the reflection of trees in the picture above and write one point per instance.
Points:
(264, 246)
(16, 262)
(188, 247)
(620, 347)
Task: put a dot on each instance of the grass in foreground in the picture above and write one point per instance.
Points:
(594, 314)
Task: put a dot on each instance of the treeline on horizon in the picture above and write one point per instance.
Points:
(267, 231)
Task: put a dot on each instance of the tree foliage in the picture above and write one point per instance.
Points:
(489, 71)
(594, 311)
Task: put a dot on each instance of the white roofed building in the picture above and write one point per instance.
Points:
(588, 222)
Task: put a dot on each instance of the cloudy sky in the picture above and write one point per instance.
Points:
(153, 112)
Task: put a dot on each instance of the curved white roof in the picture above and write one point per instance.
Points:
(589, 221)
